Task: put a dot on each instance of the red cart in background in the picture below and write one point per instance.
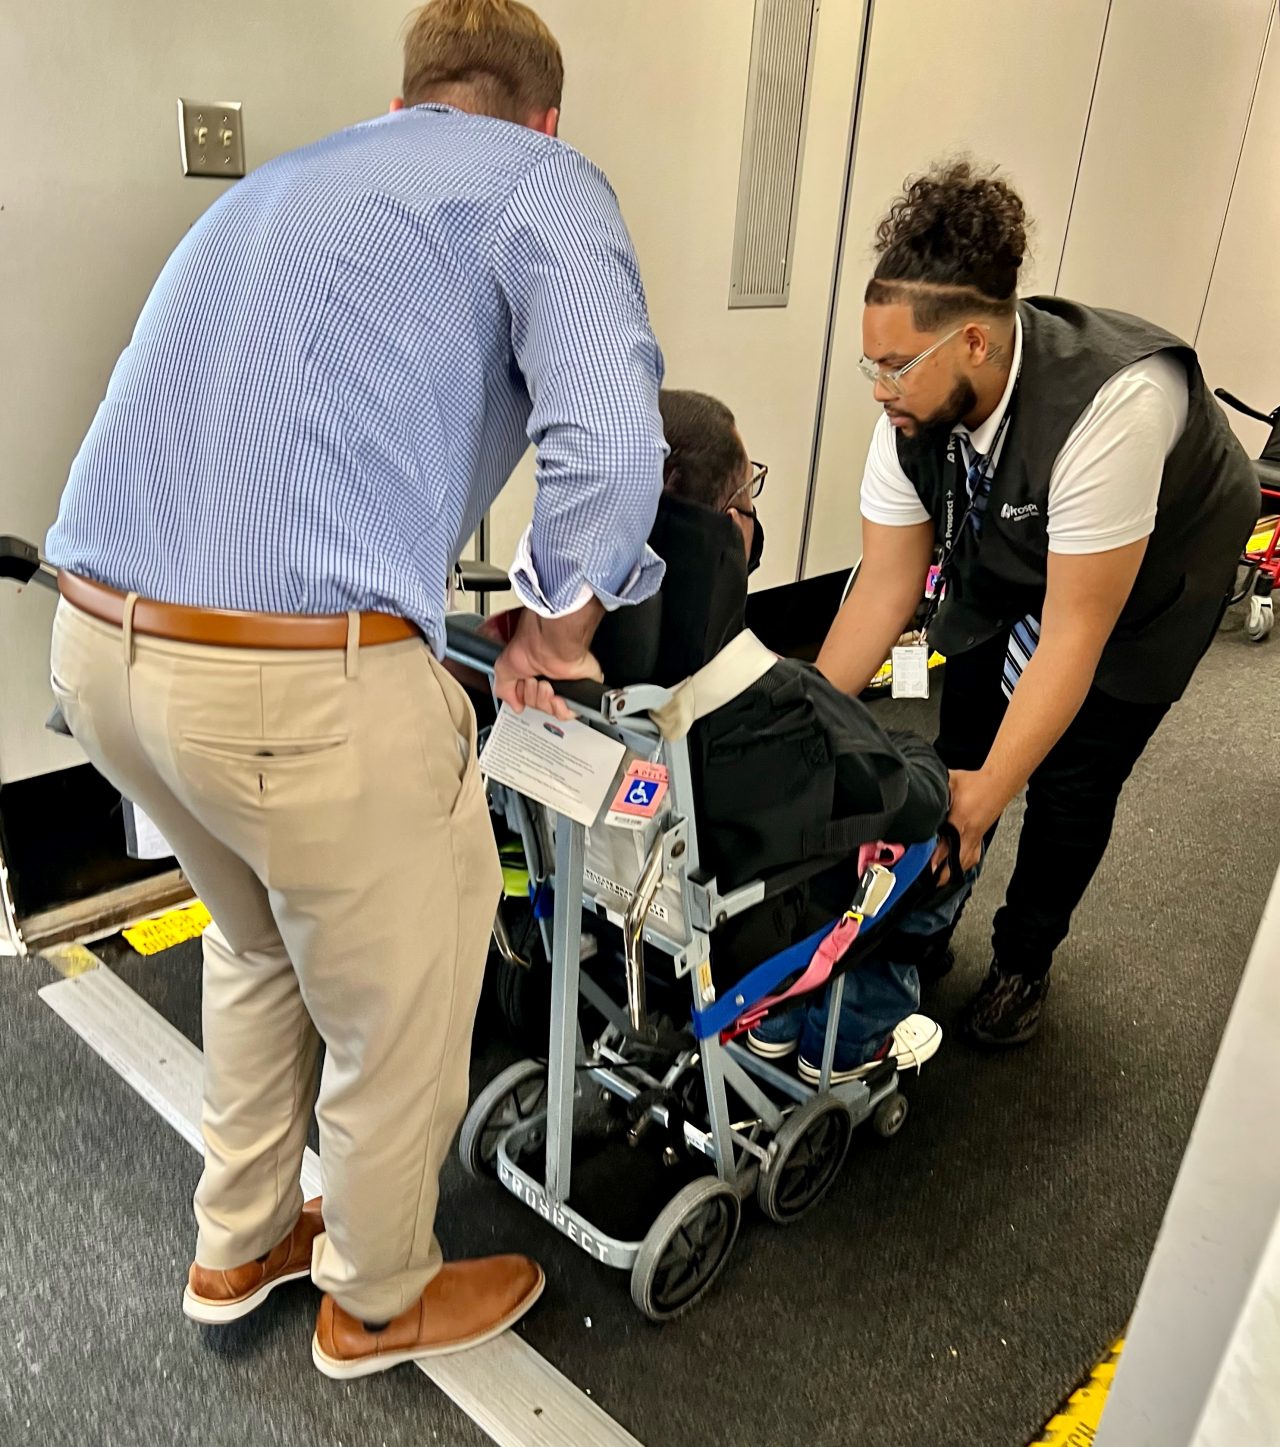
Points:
(1260, 566)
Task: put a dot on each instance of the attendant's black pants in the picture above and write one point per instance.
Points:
(1071, 799)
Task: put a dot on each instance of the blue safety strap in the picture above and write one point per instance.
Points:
(766, 977)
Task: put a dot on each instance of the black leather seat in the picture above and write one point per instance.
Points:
(699, 608)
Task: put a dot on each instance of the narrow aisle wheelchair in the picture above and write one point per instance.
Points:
(644, 1072)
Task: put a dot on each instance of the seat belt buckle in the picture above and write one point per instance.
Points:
(874, 889)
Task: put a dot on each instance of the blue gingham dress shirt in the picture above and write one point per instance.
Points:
(344, 359)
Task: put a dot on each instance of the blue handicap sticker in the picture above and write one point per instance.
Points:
(642, 792)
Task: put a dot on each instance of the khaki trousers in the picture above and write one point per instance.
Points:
(328, 809)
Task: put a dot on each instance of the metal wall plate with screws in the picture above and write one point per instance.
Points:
(212, 137)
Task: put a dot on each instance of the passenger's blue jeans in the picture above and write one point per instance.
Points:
(882, 995)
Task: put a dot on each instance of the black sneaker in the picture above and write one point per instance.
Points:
(1005, 1010)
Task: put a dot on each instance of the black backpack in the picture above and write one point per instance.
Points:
(791, 779)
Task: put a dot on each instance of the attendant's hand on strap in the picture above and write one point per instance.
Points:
(975, 807)
(542, 650)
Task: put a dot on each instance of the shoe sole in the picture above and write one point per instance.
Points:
(219, 1313)
(812, 1074)
(767, 1050)
(909, 1060)
(342, 1371)
(999, 1042)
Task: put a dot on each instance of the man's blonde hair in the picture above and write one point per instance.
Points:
(496, 53)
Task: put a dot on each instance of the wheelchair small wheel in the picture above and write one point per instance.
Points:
(804, 1160)
(685, 1248)
(890, 1116)
(515, 1095)
(1260, 620)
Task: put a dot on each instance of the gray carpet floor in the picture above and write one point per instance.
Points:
(953, 1287)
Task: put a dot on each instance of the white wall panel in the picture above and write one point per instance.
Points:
(1008, 82)
(92, 201)
(1239, 340)
(1164, 136)
(655, 94)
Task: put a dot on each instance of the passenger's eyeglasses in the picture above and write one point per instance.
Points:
(891, 381)
(759, 471)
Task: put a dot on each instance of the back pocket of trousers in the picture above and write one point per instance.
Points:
(260, 752)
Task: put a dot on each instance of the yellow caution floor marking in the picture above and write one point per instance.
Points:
(150, 936)
(1077, 1424)
(70, 960)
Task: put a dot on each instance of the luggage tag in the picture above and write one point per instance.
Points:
(910, 670)
(640, 795)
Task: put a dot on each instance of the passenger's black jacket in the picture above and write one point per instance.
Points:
(794, 776)
(784, 771)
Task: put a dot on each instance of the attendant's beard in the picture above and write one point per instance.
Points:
(959, 404)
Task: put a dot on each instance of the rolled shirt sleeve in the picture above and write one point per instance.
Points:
(580, 334)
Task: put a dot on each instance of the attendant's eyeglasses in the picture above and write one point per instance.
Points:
(891, 379)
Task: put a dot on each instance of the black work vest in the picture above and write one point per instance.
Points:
(1208, 503)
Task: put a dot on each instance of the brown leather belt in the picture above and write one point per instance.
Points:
(226, 628)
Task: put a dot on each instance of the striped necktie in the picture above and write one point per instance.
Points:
(977, 483)
(1025, 634)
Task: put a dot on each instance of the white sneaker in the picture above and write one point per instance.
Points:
(916, 1040)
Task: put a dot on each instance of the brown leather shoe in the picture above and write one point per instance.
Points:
(466, 1303)
(215, 1297)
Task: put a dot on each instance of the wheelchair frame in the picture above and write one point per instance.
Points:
(788, 1124)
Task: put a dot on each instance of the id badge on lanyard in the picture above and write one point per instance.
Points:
(911, 660)
(910, 677)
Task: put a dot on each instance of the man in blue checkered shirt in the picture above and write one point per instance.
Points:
(332, 380)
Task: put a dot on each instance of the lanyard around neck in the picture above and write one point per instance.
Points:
(953, 533)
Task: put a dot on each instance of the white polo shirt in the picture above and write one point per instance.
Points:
(1105, 482)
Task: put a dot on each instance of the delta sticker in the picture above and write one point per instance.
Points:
(640, 795)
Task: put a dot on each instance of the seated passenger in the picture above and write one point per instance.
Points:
(709, 466)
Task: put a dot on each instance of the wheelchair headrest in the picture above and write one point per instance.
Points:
(699, 608)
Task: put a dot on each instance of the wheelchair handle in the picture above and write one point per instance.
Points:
(465, 645)
(478, 577)
(1232, 400)
(20, 561)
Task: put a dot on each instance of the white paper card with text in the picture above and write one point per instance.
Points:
(559, 762)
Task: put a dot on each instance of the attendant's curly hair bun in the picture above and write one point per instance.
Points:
(955, 226)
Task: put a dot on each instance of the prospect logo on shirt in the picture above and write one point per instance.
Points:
(1027, 510)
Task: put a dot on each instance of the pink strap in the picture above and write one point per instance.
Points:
(879, 853)
(832, 948)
